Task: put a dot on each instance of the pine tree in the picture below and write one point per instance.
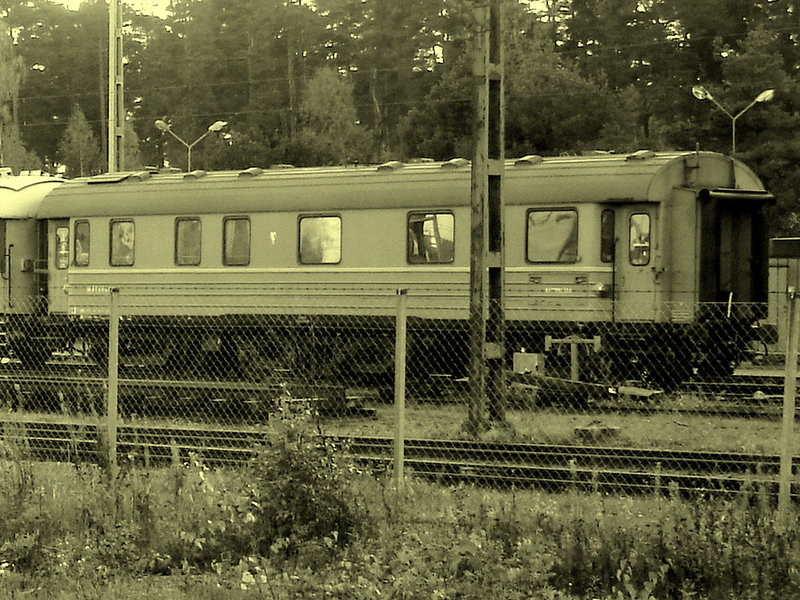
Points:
(78, 149)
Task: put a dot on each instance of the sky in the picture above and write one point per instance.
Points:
(155, 7)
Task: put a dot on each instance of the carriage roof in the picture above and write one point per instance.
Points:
(21, 195)
(641, 177)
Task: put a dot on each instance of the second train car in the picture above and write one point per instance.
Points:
(660, 257)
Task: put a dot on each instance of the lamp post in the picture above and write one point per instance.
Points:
(701, 93)
(213, 128)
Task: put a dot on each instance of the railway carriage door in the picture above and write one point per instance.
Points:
(733, 244)
(58, 262)
(634, 263)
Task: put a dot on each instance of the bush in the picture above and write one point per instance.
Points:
(303, 495)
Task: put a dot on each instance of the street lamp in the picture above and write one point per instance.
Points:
(701, 93)
(213, 128)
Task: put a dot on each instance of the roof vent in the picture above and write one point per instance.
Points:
(251, 172)
(119, 176)
(196, 174)
(528, 160)
(139, 176)
(454, 163)
(391, 165)
(641, 155)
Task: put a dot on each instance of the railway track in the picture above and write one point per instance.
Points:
(75, 391)
(739, 386)
(610, 469)
(71, 386)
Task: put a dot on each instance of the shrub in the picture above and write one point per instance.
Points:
(303, 495)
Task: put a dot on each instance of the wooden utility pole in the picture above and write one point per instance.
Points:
(116, 104)
(487, 261)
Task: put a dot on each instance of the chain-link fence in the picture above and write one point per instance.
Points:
(678, 398)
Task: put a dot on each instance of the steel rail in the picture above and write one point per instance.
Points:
(502, 464)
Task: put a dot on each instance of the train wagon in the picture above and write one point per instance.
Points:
(661, 257)
(23, 266)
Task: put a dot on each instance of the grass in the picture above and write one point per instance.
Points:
(301, 522)
(554, 425)
(664, 430)
(90, 538)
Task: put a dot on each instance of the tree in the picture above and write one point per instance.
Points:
(392, 50)
(63, 56)
(542, 92)
(766, 137)
(78, 149)
(12, 152)
(131, 154)
(329, 131)
(242, 61)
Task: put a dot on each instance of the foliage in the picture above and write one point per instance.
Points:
(334, 81)
(539, 121)
(12, 152)
(303, 525)
(302, 497)
(15, 155)
(78, 149)
(329, 129)
(131, 153)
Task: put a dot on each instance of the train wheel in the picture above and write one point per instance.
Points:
(670, 367)
(716, 366)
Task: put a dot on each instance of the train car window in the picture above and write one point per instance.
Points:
(187, 241)
(320, 240)
(607, 235)
(553, 236)
(62, 247)
(236, 241)
(430, 237)
(122, 243)
(81, 243)
(639, 247)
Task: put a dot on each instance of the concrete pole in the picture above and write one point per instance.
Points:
(116, 103)
(787, 424)
(487, 260)
(113, 380)
(400, 388)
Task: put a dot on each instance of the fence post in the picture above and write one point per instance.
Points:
(113, 380)
(400, 387)
(787, 425)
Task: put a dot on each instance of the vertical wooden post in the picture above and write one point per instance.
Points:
(400, 388)
(787, 425)
(487, 261)
(116, 104)
(113, 380)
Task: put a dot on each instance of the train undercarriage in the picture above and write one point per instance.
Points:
(346, 350)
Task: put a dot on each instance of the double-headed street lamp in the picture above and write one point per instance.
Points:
(213, 128)
(702, 93)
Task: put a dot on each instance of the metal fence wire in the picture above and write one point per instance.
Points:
(675, 399)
